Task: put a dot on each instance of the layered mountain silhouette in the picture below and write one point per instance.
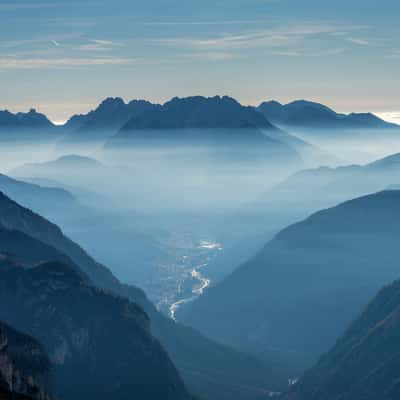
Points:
(207, 368)
(298, 294)
(29, 126)
(309, 190)
(218, 123)
(295, 198)
(42, 199)
(199, 112)
(65, 168)
(364, 363)
(307, 114)
(24, 366)
(105, 120)
(24, 121)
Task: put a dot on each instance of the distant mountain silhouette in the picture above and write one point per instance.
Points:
(217, 123)
(24, 121)
(110, 116)
(41, 199)
(308, 190)
(208, 368)
(307, 114)
(324, 186)
(364, 363)
(30, 126)
(62, 166)
(306, 285)
(199, 112)
(298, 196)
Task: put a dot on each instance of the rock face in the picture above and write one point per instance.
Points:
(23, 366)
(209, 369)
(307, 114)
(307, 284)
(100, 345)
(364, 363)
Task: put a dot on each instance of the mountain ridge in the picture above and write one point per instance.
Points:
(304, 113)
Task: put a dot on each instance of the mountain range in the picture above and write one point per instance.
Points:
(24, 121)
(113, 115)
(308, 190)
(307, 114)
(27, 127)
(297, 295)
(105, 120)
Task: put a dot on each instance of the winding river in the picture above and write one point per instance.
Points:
(198, 282)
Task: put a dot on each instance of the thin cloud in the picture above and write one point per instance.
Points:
(262, 38)
(360, 42)
(99, 45)
(14, 6)
(288, 53)
(47, 63)
(305, 53)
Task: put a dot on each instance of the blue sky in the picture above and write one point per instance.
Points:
(64, 56)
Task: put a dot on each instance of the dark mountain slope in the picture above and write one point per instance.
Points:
(24, 366)
(299, 293)
(209, 369)
(364, 363)
(303, 114)
(100, 345)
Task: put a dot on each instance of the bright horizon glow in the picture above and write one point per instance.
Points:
(390, 116)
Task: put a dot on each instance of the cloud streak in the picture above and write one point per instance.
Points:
(360, 42)
(277, 37)
(100, 45)
(47, 63)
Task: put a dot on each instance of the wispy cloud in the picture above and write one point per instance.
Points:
(288, 53)
(99, 45)
(307, 53)
(274, 37)
(360, 42)
(5, 6)
(44, 63)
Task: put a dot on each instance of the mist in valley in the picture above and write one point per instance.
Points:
(147, 209)
(183, 213)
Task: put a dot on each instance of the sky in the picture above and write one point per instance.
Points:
(64, 56)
